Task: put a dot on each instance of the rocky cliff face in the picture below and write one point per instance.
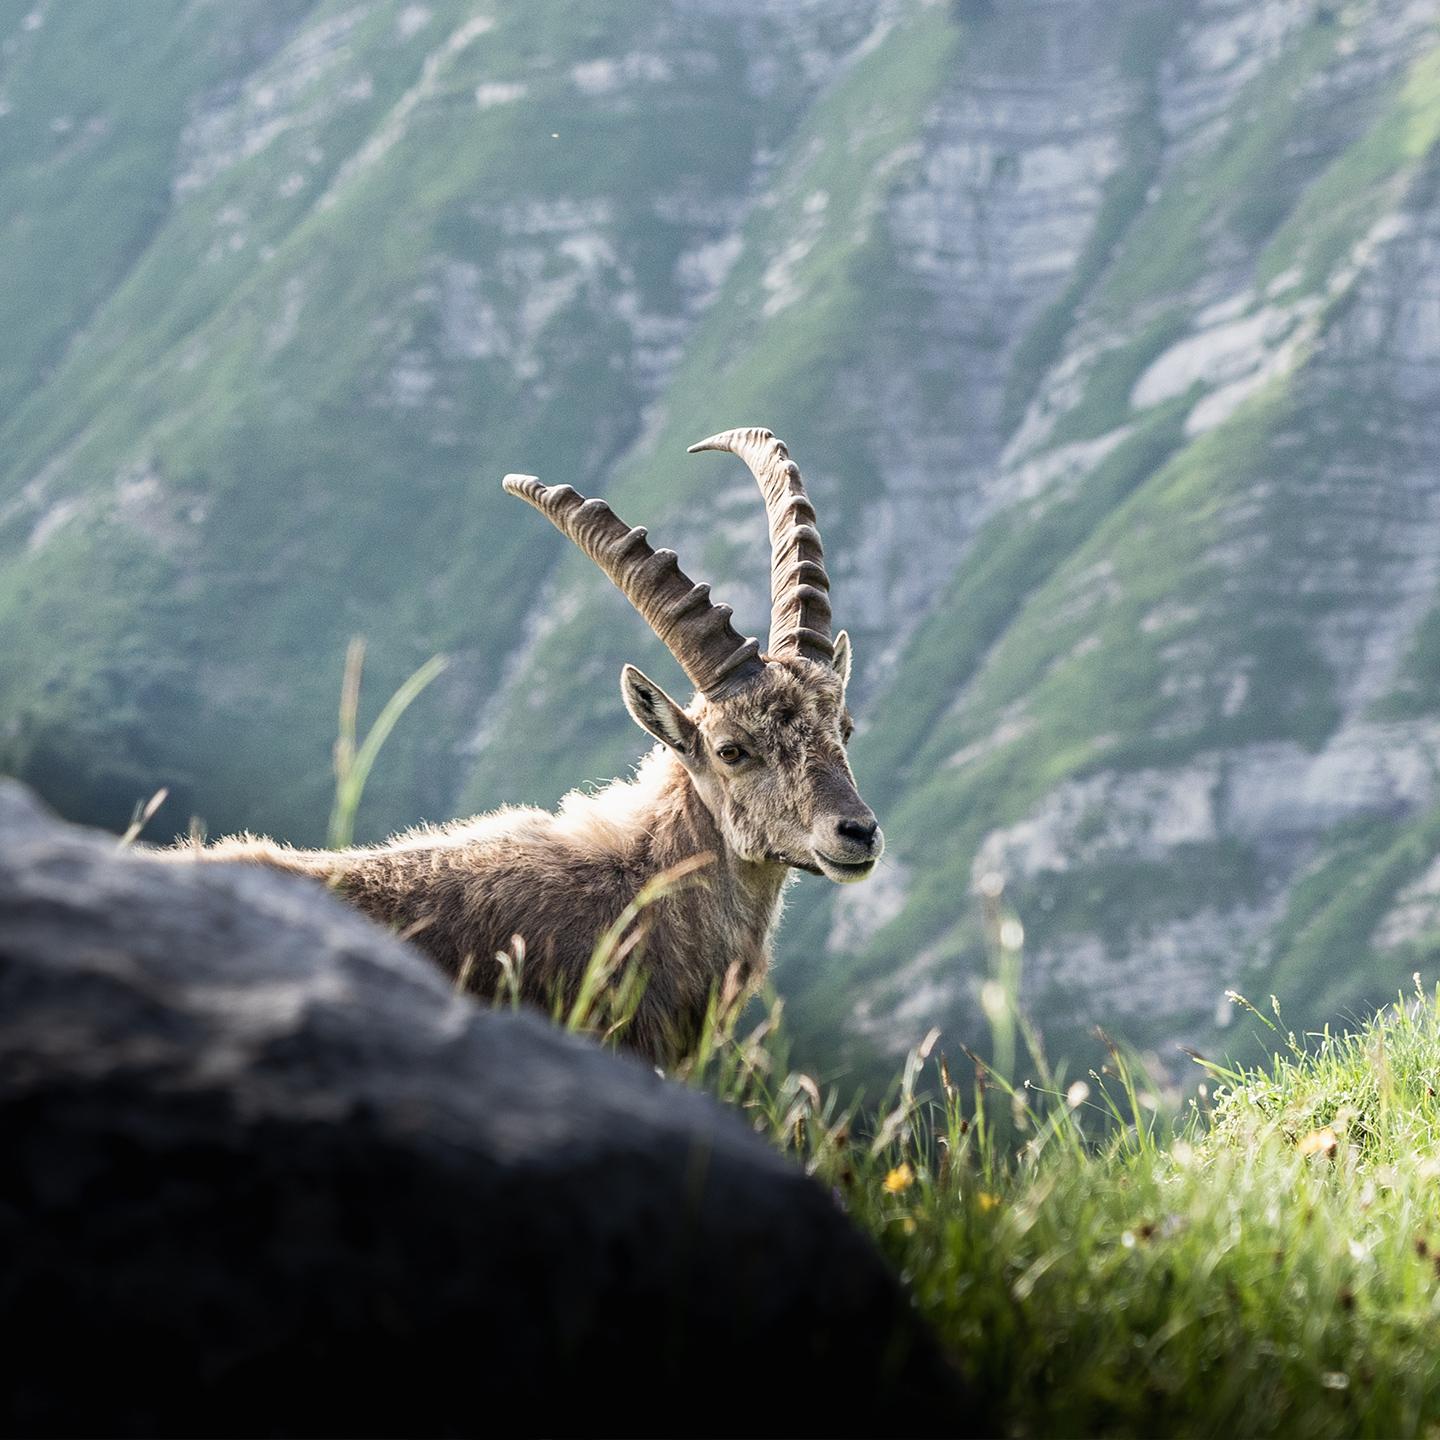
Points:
(1105, 333)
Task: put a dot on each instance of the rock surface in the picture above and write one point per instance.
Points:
(264, 1174)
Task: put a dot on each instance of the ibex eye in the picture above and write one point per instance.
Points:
(730, 754)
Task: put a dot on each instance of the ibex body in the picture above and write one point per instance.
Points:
(747, 782)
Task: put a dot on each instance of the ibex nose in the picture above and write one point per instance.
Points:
(861, 832)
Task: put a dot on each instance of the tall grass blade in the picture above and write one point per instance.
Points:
(352, 765)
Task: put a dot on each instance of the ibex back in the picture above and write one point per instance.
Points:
(751, 774)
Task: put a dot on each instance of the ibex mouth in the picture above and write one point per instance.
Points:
(844, 872)
(778, 857)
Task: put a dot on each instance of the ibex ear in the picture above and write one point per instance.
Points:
(843, 658)
(653, 710)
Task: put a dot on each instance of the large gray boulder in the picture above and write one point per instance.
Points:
(262, 1173)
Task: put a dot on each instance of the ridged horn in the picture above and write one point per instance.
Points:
(696, 632)
(799, 586)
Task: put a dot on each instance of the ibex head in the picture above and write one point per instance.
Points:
(764, 740)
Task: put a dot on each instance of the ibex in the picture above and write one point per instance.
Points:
(752, 773)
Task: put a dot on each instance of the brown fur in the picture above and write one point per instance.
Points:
(461, 891)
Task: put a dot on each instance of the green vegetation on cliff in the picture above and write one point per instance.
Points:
(1105, 340)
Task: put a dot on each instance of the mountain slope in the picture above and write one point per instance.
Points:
(1107, 335)
(395, 253)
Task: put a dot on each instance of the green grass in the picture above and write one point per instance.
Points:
(1252, 1251)
(1225, 1282)
(1101, 1257)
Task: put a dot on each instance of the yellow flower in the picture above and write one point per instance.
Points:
(1320, 1142)
(902, 1177)
(988, 1201)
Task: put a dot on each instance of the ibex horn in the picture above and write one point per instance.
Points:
(799, 586)
(697, 633)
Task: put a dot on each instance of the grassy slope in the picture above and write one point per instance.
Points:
(1272, 1271)
(279, 435)
(95, 98)
(1108, 1256)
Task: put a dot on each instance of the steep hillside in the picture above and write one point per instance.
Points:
(1107, 334)
(386, 254)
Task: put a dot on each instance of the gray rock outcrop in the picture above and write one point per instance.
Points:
(265, 1174)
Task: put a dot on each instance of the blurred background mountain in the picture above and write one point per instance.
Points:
(1107, 334)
